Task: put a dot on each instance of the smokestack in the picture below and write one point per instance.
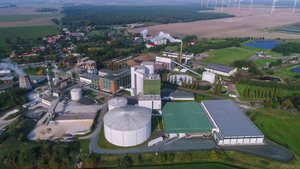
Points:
(25, 83)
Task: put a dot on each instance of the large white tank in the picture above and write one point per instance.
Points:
(132, 77)
(127, 126)
(208, 76)
(117, 102)
(149, 67)
(139, 79)
(76, 94)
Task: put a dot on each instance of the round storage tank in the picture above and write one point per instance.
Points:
(76, 94)
(149, 67)
(208, 76)
(127, 126)
(204, 85)
(117, 102)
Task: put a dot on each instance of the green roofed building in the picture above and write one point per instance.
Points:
(185, 117)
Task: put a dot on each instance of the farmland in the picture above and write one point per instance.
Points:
(26, 32)
(17, 18)
(228, 55)
(246, 23)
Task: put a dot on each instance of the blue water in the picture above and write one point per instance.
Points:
(263, 44)
(297, 70)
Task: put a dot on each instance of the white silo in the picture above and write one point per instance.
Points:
(76, 94)
(133, 78)
(140, 71)
(208, 76)
(149, 67)
(117, 102)
(127, 126)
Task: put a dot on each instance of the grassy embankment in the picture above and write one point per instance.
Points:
(35, 71)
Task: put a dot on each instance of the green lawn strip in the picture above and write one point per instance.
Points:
(18, 18)
(228, 55)
(262, 62)
(176, 48)
(34, 71)
(286, 73)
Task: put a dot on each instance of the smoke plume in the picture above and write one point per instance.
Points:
(161, 36)
(8, 65)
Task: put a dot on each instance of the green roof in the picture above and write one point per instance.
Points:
(185, 117)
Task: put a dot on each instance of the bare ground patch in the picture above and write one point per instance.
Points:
(247, 23)
(32, 22)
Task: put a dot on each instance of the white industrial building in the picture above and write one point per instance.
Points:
(137, 76)
(174, 54)
(127, 126)
(180, 96)
(76, 94)
(163, 62)
(49, 101)
(221, 69)
(152, 102)
(208, 76)
(117, 102)
(230, 124)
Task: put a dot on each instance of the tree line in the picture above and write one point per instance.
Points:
(287, 48)
(46, 10)
(272, 84)
(185, 83)
(119, 15)
(12, 98)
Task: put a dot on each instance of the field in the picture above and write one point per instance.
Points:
(286, 73)
(262, 62)
(35, 71)
(17, 18)
(190, 166)
(246, 23)
(176, 48)
(279, 126)
(228, 55)
(26, 32)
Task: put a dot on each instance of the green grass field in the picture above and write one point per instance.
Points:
(189, 166)
(25, 32)
(35, 70)
(279, 126)
(241, 88)
(269, 52)
(262, 62)
(17, 18)
(287, 73)
(176, 48)
(228, 55)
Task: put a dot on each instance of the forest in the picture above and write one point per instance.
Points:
(119, 15)
(11, 99)
(287, 48)
(46, 10)
(273, 84)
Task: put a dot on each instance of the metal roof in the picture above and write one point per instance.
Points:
(114, 75)
(185, 117)
(127, 118)
(91, 76)
(149, 97)
(182, 94)
(230, 119)
(221, 68)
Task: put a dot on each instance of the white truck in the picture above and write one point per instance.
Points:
(155, 141)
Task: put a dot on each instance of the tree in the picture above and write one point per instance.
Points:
(245, 92)
(184, 82)
(175, 80)
(196, 86)
(269, 103)
(188, 84)
(192, 85)
(287, 104)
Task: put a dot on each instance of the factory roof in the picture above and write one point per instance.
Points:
(182, 95)
(75, 116)
(5, 86)
(149, 97)
(7, 78)
(91, 76)
(170, 51)
(221, 68)
(114, 75)
(50, 98)
(230, 119)
(185, 117)
(151, 77)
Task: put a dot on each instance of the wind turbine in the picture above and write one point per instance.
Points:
(251, 4)
(228, 3)
(223, 2)
(273, 7)
(202, 3)
(235, 3)
(216, 4)
(240, 4)
(207, 4)
(295, 5)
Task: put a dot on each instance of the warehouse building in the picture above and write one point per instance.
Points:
(111, 81)
(179, 96)
(152, 102)
(174, 54)
(232, 125)
(221, 69)
(185, 118)
(221, 118)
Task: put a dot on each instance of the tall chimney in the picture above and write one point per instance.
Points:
(25, 83)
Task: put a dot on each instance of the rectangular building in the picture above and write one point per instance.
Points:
(232, 125)
(152, 102)
(151, 84)
(111, 81)
(221, 69)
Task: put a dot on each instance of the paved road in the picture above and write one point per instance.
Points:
(4, 123)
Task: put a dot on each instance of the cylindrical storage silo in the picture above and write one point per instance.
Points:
(204, 85)
(76, 94)
(132, 70)
(117, 102)
(127, 126)
(139, 79)
(208, 76)
(149, 67)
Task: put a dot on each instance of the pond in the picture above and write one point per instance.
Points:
(297, 69)
(263, 44)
